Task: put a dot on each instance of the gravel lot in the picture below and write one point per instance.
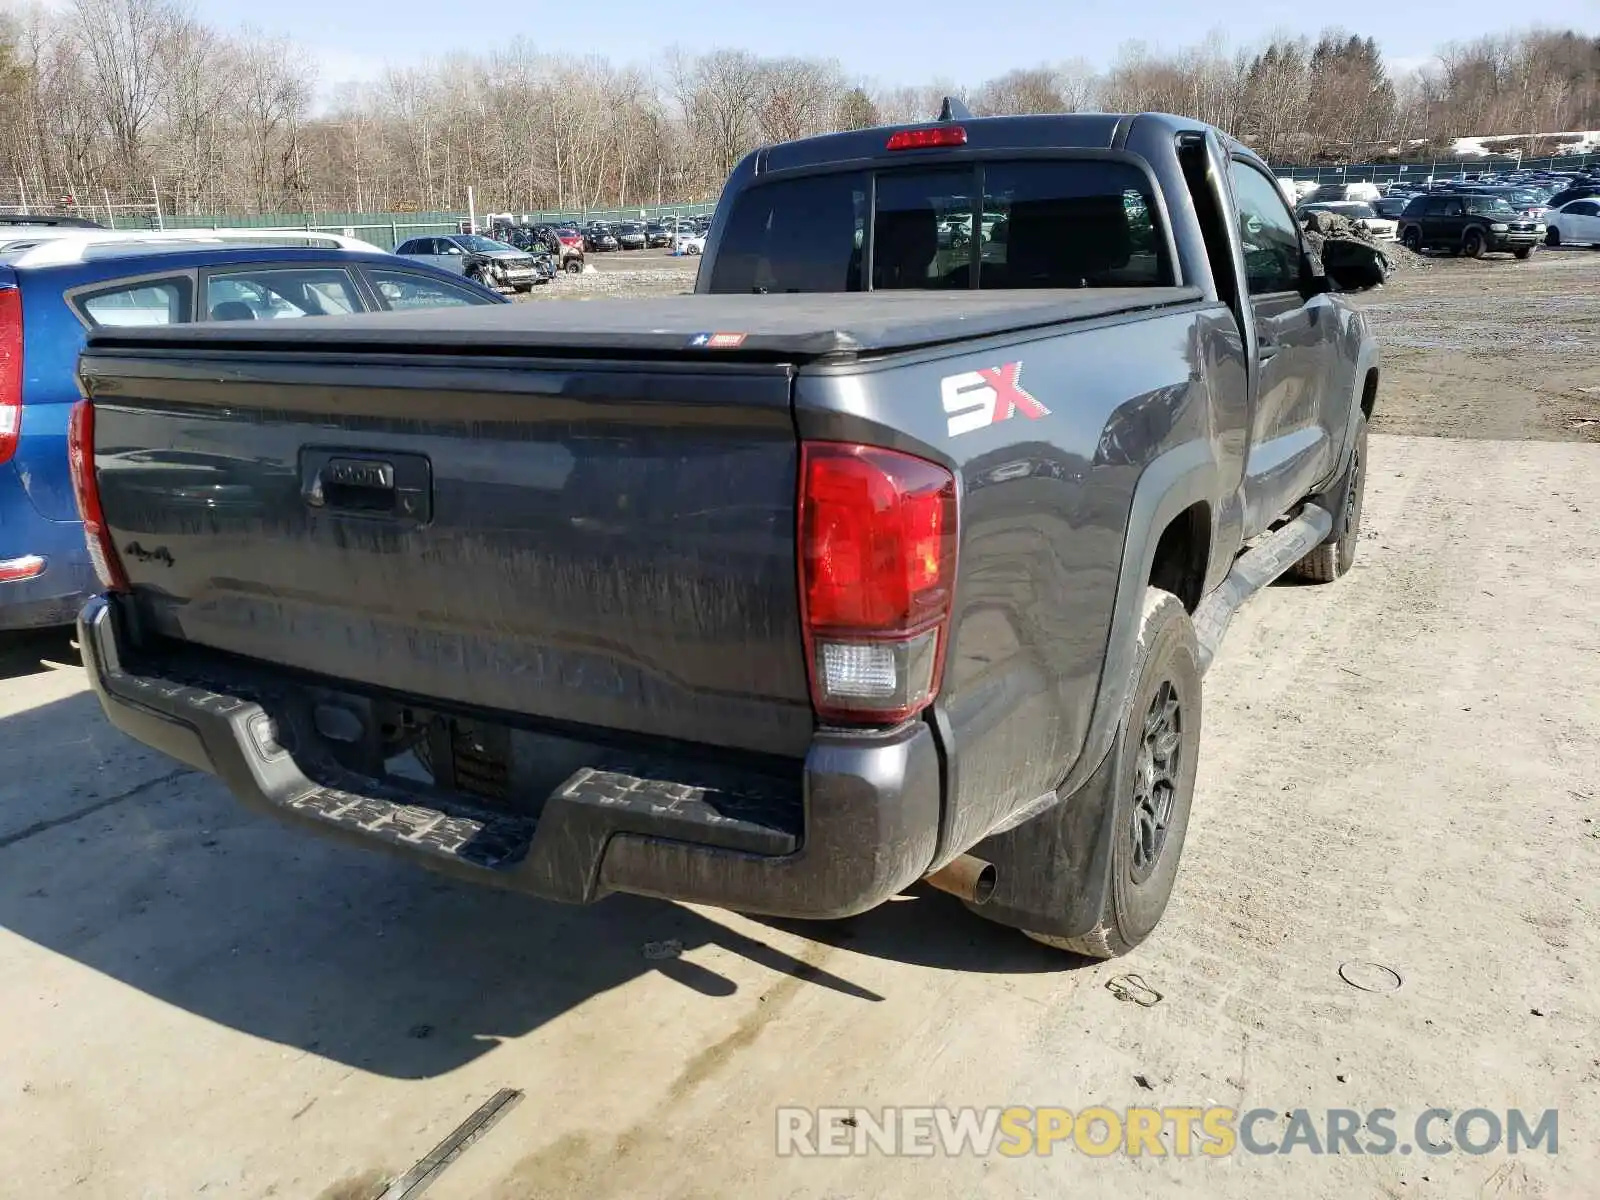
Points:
(1397, 769)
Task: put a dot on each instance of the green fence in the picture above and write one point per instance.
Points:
(1446, 168)
(388, 230)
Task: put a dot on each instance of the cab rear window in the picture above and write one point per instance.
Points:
(998, 225)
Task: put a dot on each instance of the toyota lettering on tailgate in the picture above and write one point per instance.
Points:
(987, 396)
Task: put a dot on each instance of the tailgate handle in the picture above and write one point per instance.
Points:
(353, 483)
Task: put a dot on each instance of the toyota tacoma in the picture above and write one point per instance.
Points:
(879, 558)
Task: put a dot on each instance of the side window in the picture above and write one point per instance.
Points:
(798, 235)
(1584, 208)
(148, 302)
(1067, 225)
(276, 293)
(414, 246)
(403, 289)
(1269, 233)
(1452, 208)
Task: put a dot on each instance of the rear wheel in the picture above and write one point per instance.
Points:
(1336, 555)
(1472, 244)
(1411, 239)
(1552, 236)
(1157, 749)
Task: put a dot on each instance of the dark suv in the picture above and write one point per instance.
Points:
(1468, 224)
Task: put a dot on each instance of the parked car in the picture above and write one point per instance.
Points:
(1577, 222)
(658, 235)
(1391, 206)
(492, 263)
(572, 250)
(865, 589)
(1332, 192)
(599, 238)
(10, 221)
(1577, 191)
(631, 236)
(1381, 228)
(1468, 224)
(691, 243)
(563, 244)
(68, 281)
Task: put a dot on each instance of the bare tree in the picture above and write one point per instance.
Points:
(109, 92)
(122, 41)
(1045, 89)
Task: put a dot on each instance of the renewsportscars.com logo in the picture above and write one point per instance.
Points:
(1179, 1132)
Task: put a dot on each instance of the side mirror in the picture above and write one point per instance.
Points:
(1354, 266)
(1314, 279)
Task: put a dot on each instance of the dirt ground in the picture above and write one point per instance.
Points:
(1492, 348)
(1397, 769)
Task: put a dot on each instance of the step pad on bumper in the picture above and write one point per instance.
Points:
(489, 842)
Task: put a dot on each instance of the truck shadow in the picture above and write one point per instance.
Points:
(155, 877)
(926, 928)
(30, 652)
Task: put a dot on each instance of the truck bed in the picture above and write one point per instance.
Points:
(790, 328)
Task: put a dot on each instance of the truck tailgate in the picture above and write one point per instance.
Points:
(600, 542)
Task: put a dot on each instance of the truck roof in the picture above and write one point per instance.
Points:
(786, 327)
(985, 135)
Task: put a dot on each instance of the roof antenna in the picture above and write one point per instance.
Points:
(954, 110)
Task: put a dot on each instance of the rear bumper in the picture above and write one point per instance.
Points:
(56, 593)
(866, 812)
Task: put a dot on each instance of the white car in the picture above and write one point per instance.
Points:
(1577, 222)
(1382, 229)
(691, 243)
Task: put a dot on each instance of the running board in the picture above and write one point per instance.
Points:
(1253, 570)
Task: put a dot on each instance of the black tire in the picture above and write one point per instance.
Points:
(1523, 251)
(1472, 244)
(1552, 237)
(1412, 240)
(1157, 748)
(1337, 555)
(574, 266)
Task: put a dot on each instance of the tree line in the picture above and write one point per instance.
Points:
(137, 101)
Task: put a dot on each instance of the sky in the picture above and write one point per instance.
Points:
(886, 44)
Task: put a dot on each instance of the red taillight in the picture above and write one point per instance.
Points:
(85, 486)
(923, 139)
(10, 372)
(877, 566)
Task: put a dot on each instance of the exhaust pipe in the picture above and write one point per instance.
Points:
(967, 878)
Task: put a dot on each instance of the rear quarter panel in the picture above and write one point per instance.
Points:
(1044, 505)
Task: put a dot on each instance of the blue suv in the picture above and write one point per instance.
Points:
(54, 289)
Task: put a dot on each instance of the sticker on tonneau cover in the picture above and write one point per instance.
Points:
(718, 341)
(987, 396)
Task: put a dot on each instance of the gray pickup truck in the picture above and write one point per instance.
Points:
(896, 551)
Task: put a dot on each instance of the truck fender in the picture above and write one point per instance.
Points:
(1052, 869)
(1367, 361)
(1182, 476)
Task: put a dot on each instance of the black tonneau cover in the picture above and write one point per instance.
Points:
(785, 327)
